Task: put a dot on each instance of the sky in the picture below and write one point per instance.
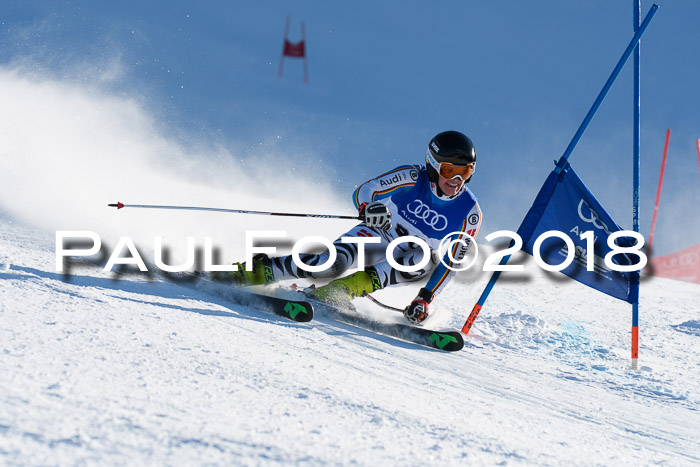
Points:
(517, 77)
(170, 102)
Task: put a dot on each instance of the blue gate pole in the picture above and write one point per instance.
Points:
(637, 8)
(561, 164)
(613, 76)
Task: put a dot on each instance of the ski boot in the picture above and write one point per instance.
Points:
(261, 274)
(349, 287)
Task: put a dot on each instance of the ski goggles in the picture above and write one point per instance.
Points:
(449, 171)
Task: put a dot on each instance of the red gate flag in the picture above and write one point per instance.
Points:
(294, 49)
(682, 265)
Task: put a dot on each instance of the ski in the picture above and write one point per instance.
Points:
(300, 311)
(303, 311)
(449, 341)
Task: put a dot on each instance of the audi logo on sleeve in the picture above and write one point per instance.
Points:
(423, 212)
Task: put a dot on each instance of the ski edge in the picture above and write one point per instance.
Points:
(448, 340)
(300, 311)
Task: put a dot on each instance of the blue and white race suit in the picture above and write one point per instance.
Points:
(415, 211)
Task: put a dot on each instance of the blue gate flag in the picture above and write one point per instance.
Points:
(564, 203)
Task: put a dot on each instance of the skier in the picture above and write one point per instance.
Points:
(428, 202)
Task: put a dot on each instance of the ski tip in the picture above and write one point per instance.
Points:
(117, 205)
(301, 312)
(449, 341)
(305, 318)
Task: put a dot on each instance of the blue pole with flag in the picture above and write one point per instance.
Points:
(637, 9)
(563, 161)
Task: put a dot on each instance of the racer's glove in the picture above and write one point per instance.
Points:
(375, 214)
(417, 311)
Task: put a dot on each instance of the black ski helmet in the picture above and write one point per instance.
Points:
(453, 147)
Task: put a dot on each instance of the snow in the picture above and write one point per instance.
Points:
(97, 368)
(100, 368)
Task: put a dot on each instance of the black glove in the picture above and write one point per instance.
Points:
(375, 214)
(417, 311)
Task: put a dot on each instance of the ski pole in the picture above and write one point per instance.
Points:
(120, 205)
(383, 305)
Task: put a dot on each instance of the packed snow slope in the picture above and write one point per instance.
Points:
(115, 369)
